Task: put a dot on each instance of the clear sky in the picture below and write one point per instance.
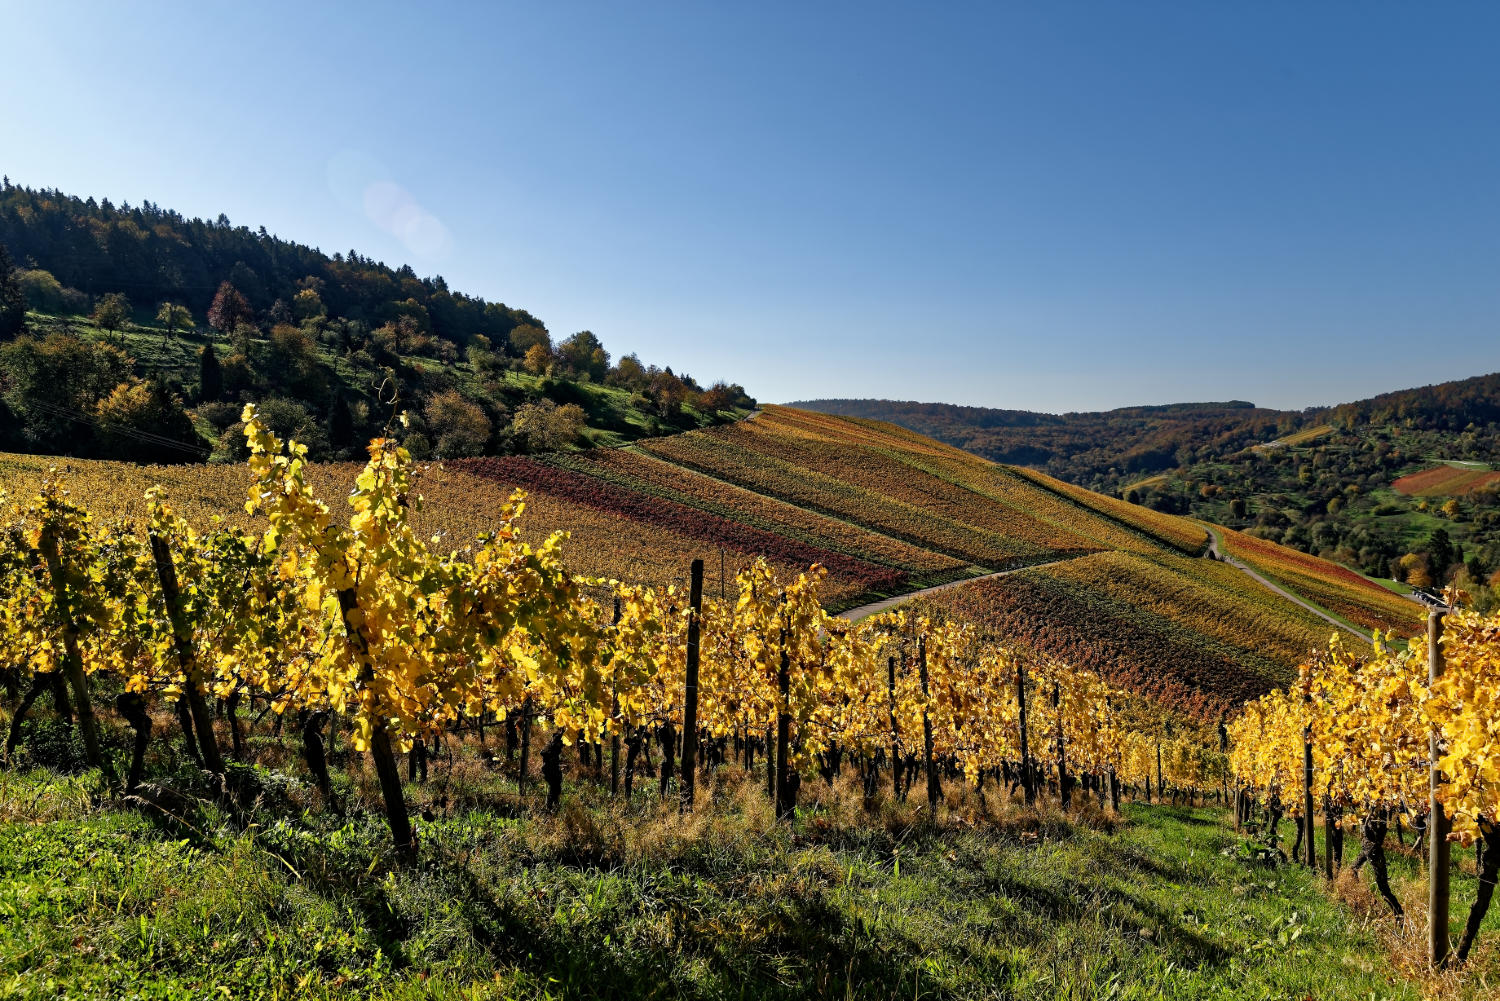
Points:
(1050, 206)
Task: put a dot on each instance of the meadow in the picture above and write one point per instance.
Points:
(608, 899)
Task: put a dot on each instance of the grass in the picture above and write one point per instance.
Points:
(1394, 586)
(1405, 943)
(606, 899)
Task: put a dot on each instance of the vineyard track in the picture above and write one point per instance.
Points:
(1214, 551)
(876, 607)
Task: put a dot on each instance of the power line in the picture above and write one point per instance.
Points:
(134, 434)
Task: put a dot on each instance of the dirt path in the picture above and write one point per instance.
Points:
(1216, 553)
(876, 607)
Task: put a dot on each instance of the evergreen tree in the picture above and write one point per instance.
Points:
(1440, 548)
(210, 377)
(12, 299)
(340, 423)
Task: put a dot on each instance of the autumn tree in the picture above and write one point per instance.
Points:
(717, 397)
(308, 304)
(111, 312)
(538, 359)
(484, 359)
(230, 309)
(44, 293)
(546, 427)
(584, 355)
(527, 336)
(668, 393)
(459, 426)
(173, 317)
(293, 361)
(144, 422)
(629, 372)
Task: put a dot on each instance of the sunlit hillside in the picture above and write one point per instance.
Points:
(1107, 585)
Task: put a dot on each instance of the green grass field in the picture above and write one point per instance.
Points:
(185, 900)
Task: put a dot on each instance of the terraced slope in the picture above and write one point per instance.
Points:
(1195, 634)
(1445, 480)
(1337, 589)
(1102, 583)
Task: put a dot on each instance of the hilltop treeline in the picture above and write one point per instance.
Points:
(1446, 406)
(329, 346)
(151, 254)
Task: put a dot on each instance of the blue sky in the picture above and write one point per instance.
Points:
(1052, 206)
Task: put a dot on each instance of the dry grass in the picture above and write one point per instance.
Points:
(1405, 942)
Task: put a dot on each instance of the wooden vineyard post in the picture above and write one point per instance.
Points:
(1328, 837)
(771, 764)
(1064, 794)
(614, 708)
(690, 690)
(1026, 783)
(932, 778)
(1308, 826)
(1161, 790)
(785, 804)
(1438, 825)
(166, 572)
(890, 665)
(525, 746)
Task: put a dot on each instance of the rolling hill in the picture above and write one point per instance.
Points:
(1085, 577)
(1366, 484)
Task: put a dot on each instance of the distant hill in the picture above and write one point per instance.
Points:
(147, 331)
(1080, 447)
(1318, 480)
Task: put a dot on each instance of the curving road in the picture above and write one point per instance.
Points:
(1213, 550)
(876, 607)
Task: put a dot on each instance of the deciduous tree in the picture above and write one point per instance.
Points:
(460, 427)
(173, 317)
(111, 312)
(229, 309)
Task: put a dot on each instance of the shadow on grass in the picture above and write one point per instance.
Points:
(805, 947)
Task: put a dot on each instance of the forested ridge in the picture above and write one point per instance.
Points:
(137, 332)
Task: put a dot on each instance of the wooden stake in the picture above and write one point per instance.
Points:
(932, 778)
(182, 642)
(1438, 825)
(614, 704)
(785, 805)
(690, 692)
(890, 665)
(1026, 777)
(1308, 815)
